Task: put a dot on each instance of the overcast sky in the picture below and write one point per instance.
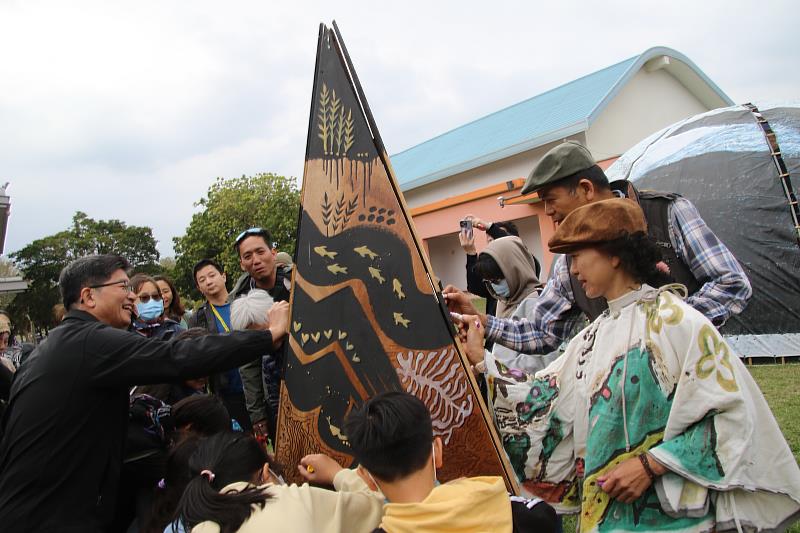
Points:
(130, 110)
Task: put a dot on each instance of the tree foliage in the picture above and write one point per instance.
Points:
(231, 206)
(7, 270)
(42, 260)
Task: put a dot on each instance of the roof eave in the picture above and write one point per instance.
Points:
(707, 97)
(530, 144)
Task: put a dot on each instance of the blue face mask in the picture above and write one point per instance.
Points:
(151, 310)
(501, 289)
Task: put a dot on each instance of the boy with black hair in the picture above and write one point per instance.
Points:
(391, 436)
(215, 316)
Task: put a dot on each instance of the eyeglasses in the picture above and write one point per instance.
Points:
(248, 233)
(124, 284)
(490, 283)
(144, 298)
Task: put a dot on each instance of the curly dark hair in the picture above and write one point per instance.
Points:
(638, 254)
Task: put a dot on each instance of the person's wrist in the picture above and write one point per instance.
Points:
(645, 462)
(277, 332)
(657, 468)
(473, 357)
(335, 478)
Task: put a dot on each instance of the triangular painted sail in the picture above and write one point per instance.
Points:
(365, 315)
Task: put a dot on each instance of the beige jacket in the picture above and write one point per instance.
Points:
(516, 262)
(305, 509)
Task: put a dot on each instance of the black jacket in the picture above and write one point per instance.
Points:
(65, 426)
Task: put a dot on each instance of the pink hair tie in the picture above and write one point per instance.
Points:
(209, 474)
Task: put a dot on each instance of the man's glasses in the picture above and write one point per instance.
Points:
(144, 298)
(248, 233)
(124, 284)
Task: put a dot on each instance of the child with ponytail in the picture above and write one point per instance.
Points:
(233, 489)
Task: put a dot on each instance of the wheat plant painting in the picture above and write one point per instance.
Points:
(366, 316)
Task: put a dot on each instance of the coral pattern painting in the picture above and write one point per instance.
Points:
(366, 315)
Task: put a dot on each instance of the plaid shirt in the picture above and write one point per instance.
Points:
(724, 292)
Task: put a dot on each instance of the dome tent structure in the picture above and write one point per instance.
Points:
(740, 166)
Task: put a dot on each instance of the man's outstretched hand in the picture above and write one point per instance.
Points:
(458, 301)
(460, 304)
(474, 333)
(278, 321)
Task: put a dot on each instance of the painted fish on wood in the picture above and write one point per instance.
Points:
(366, 316)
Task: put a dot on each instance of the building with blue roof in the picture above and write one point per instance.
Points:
(465, 170)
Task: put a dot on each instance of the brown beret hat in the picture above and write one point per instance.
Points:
(560, 162)
(597, 223)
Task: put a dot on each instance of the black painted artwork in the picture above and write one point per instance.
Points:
(366, 317)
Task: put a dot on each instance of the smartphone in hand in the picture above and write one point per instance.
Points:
(466, 227)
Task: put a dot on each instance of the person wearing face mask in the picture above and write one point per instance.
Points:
(648, 421)
(508, 272)
(150, 320)
(391, 436)
(63, 440)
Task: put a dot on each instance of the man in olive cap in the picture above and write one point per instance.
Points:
(566, 178)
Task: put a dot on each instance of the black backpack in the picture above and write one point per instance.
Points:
(150, 427)
(533, 515)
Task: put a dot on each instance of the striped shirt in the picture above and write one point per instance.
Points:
(724, 289)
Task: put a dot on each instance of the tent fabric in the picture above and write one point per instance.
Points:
(721, 161)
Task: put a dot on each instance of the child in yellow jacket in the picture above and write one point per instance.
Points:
(391, 436)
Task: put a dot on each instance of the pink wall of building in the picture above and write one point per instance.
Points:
(445, 221)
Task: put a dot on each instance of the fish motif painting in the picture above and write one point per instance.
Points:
(367, 316)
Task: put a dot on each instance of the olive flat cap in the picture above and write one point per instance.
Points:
(561, 161)
(283, 258)
(596, 223)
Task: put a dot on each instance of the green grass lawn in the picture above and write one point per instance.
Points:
(781, 387)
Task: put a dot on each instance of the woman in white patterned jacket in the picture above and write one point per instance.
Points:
(648, 421)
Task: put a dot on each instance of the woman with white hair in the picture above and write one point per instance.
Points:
(262, 388)
(250, 311)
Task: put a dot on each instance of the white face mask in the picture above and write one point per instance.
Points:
(433, 459)
(501, 289)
